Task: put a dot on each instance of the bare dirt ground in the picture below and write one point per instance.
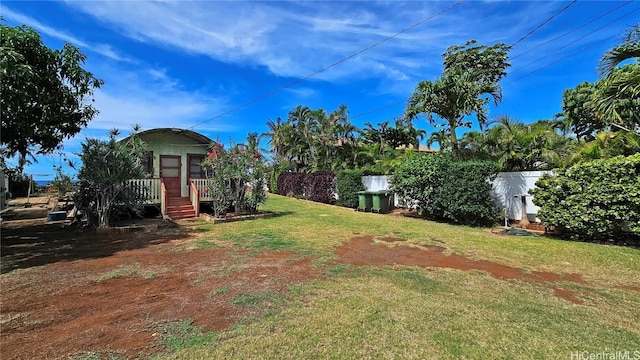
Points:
(71, 291)
(66, 290)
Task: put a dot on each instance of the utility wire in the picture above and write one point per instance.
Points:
(579, 51)
(571, 31)
(378, 109)
(298, 81)
(573, 42)
(543, 23)
(514, 44)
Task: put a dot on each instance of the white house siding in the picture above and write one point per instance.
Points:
(167, 143)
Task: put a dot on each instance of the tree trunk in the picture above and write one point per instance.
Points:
(454, 140)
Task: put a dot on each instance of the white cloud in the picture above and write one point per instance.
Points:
(295, 39)
(102, 49)
(151, 98)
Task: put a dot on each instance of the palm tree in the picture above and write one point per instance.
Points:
(442, 138)
(304, 150)
(620, 83)
(629, 49)
(452, 97)
(277, 135)
(519, 147)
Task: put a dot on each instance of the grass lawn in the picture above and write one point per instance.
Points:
(403, 311)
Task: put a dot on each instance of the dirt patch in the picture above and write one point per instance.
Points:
(111, 292)
(362, 250)
(569, 295)
(391, 239)
(628, 287)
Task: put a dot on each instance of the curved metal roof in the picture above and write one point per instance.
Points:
(188, 133)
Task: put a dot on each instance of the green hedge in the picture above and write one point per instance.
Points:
(595, 200)
(349, 182)
(445, 189)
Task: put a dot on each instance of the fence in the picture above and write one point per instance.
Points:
(505, 188)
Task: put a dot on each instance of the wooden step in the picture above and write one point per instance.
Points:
(180, 208)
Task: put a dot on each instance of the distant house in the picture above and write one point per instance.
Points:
(175, 180)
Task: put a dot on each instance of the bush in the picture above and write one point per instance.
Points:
(448, 190)
(464, 194)
(320, 187)
(348, 183)
(414, 181)
(291, 184)
(19, 183)
(596, 200)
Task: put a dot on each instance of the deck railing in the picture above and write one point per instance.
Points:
(149, 189)
(163, 198)
(203, 189)
(194, 196)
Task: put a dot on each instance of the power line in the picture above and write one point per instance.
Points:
(579, 51)
(571, 31)
(298, 81)
(543, 23)
(517, 42)
(378, 109)
(574, 41)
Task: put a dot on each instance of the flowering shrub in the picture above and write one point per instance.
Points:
(232, 172)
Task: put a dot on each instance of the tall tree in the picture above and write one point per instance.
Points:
(106, 167)
(468, 82)
(46, 94)
(452, 97)
(578, 114)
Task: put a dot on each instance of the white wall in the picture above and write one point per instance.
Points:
(377, 183)
(508, 184)
(505, 187)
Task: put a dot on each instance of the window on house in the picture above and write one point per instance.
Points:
(195, 169)
(147, 164)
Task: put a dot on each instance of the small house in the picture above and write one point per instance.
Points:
(175, 181)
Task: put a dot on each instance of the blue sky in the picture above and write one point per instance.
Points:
(178, 63)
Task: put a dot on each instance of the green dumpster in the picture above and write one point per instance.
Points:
(365, 202)
(381, 201)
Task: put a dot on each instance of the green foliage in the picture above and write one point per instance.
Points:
(261, 299)
(348, 183)
(178, 335)
(444, 189)
(487, 63)
(464, 196)
(106, 167)
(229, 172)
(416, 179)
(46, 94)
(19, 183)
(312, 139)
(470, 78)
(578, 114)
(519, 147)
(593, 200)
(62, 183)
(402, 134)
